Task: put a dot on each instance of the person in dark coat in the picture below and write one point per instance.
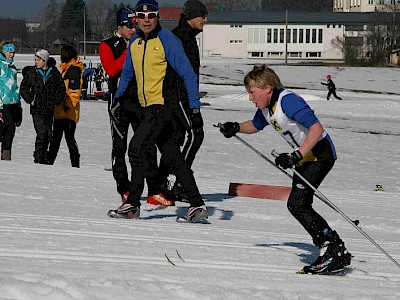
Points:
(191, 23)
(331, 88)
(43, 89)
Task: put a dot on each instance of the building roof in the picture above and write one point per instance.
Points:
(299, 17)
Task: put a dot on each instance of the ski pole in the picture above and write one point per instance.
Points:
(318, 194)
(331, 204)
(219, 125)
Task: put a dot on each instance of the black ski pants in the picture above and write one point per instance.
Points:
(44, 133)
(7, 127)
(60, 127)
(156, 128)
(119, 135)
(301, 198)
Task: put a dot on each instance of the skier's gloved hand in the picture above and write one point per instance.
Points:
(196, 119)
(115, 110)
(286, 160)
(65, 108)
(229, 129)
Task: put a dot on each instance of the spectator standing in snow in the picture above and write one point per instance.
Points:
(112, 55)
(10, 105)
(66, 115)
(152, 56)
(43, 89)
(331, 88)
(191, 23)
(313, 157)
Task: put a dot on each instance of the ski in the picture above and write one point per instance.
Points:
(340, 272)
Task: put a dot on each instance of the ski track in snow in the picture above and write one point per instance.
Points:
(58, 243)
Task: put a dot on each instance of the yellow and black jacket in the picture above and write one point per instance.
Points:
(153, 61)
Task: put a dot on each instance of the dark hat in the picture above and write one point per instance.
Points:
(193, 9)
(146, 5)
(125, 16)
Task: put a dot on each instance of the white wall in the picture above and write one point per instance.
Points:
(250, 40)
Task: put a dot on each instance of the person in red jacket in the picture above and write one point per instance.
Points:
(113, 51)
(112, 55)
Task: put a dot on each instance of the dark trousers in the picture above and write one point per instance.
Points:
(60, 127)
(44, 134)
(119, 135)
(332, 92)
(7, 127)
(156, 128)
(301, 198)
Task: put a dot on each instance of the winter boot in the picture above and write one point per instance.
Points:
(125, 211)
(5, 154)
(333, 256)
(160, 199)
(194, 214)
(75, 161)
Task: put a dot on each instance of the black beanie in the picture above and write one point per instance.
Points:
(193, 9)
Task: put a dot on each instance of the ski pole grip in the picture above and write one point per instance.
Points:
(274, 153)
(219, 125)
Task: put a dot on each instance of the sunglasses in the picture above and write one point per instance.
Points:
(149, 15)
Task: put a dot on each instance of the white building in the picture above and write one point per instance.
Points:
(266, 34)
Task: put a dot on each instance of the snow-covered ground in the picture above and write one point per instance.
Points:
(58, 243)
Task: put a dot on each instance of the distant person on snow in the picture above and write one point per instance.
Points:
(313, 157)
(331, 88)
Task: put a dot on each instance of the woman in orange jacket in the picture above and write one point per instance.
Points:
(66, 115)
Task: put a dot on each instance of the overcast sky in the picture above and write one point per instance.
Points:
(29, 9)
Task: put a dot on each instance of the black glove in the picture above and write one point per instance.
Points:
(229, 129)
(196, 119)
(286, 160)
(18, 116)
(66, 108)
(116, 110)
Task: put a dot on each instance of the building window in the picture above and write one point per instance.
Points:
(314, 36)
(288, 36)
(313, 54)
(250, 36)
(269, 36)
(275, 54)
(307, 36)
(281, 36)
(236, 42)
(236, 26)
(262, 36)
(256, 54)
(275, 36)
(256, 36)
(294, 39)
(295, 54)
(301, 36)
(320, 36)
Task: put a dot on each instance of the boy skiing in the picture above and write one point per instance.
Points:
(313, 157)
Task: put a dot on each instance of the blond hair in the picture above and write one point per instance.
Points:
(260, 76)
